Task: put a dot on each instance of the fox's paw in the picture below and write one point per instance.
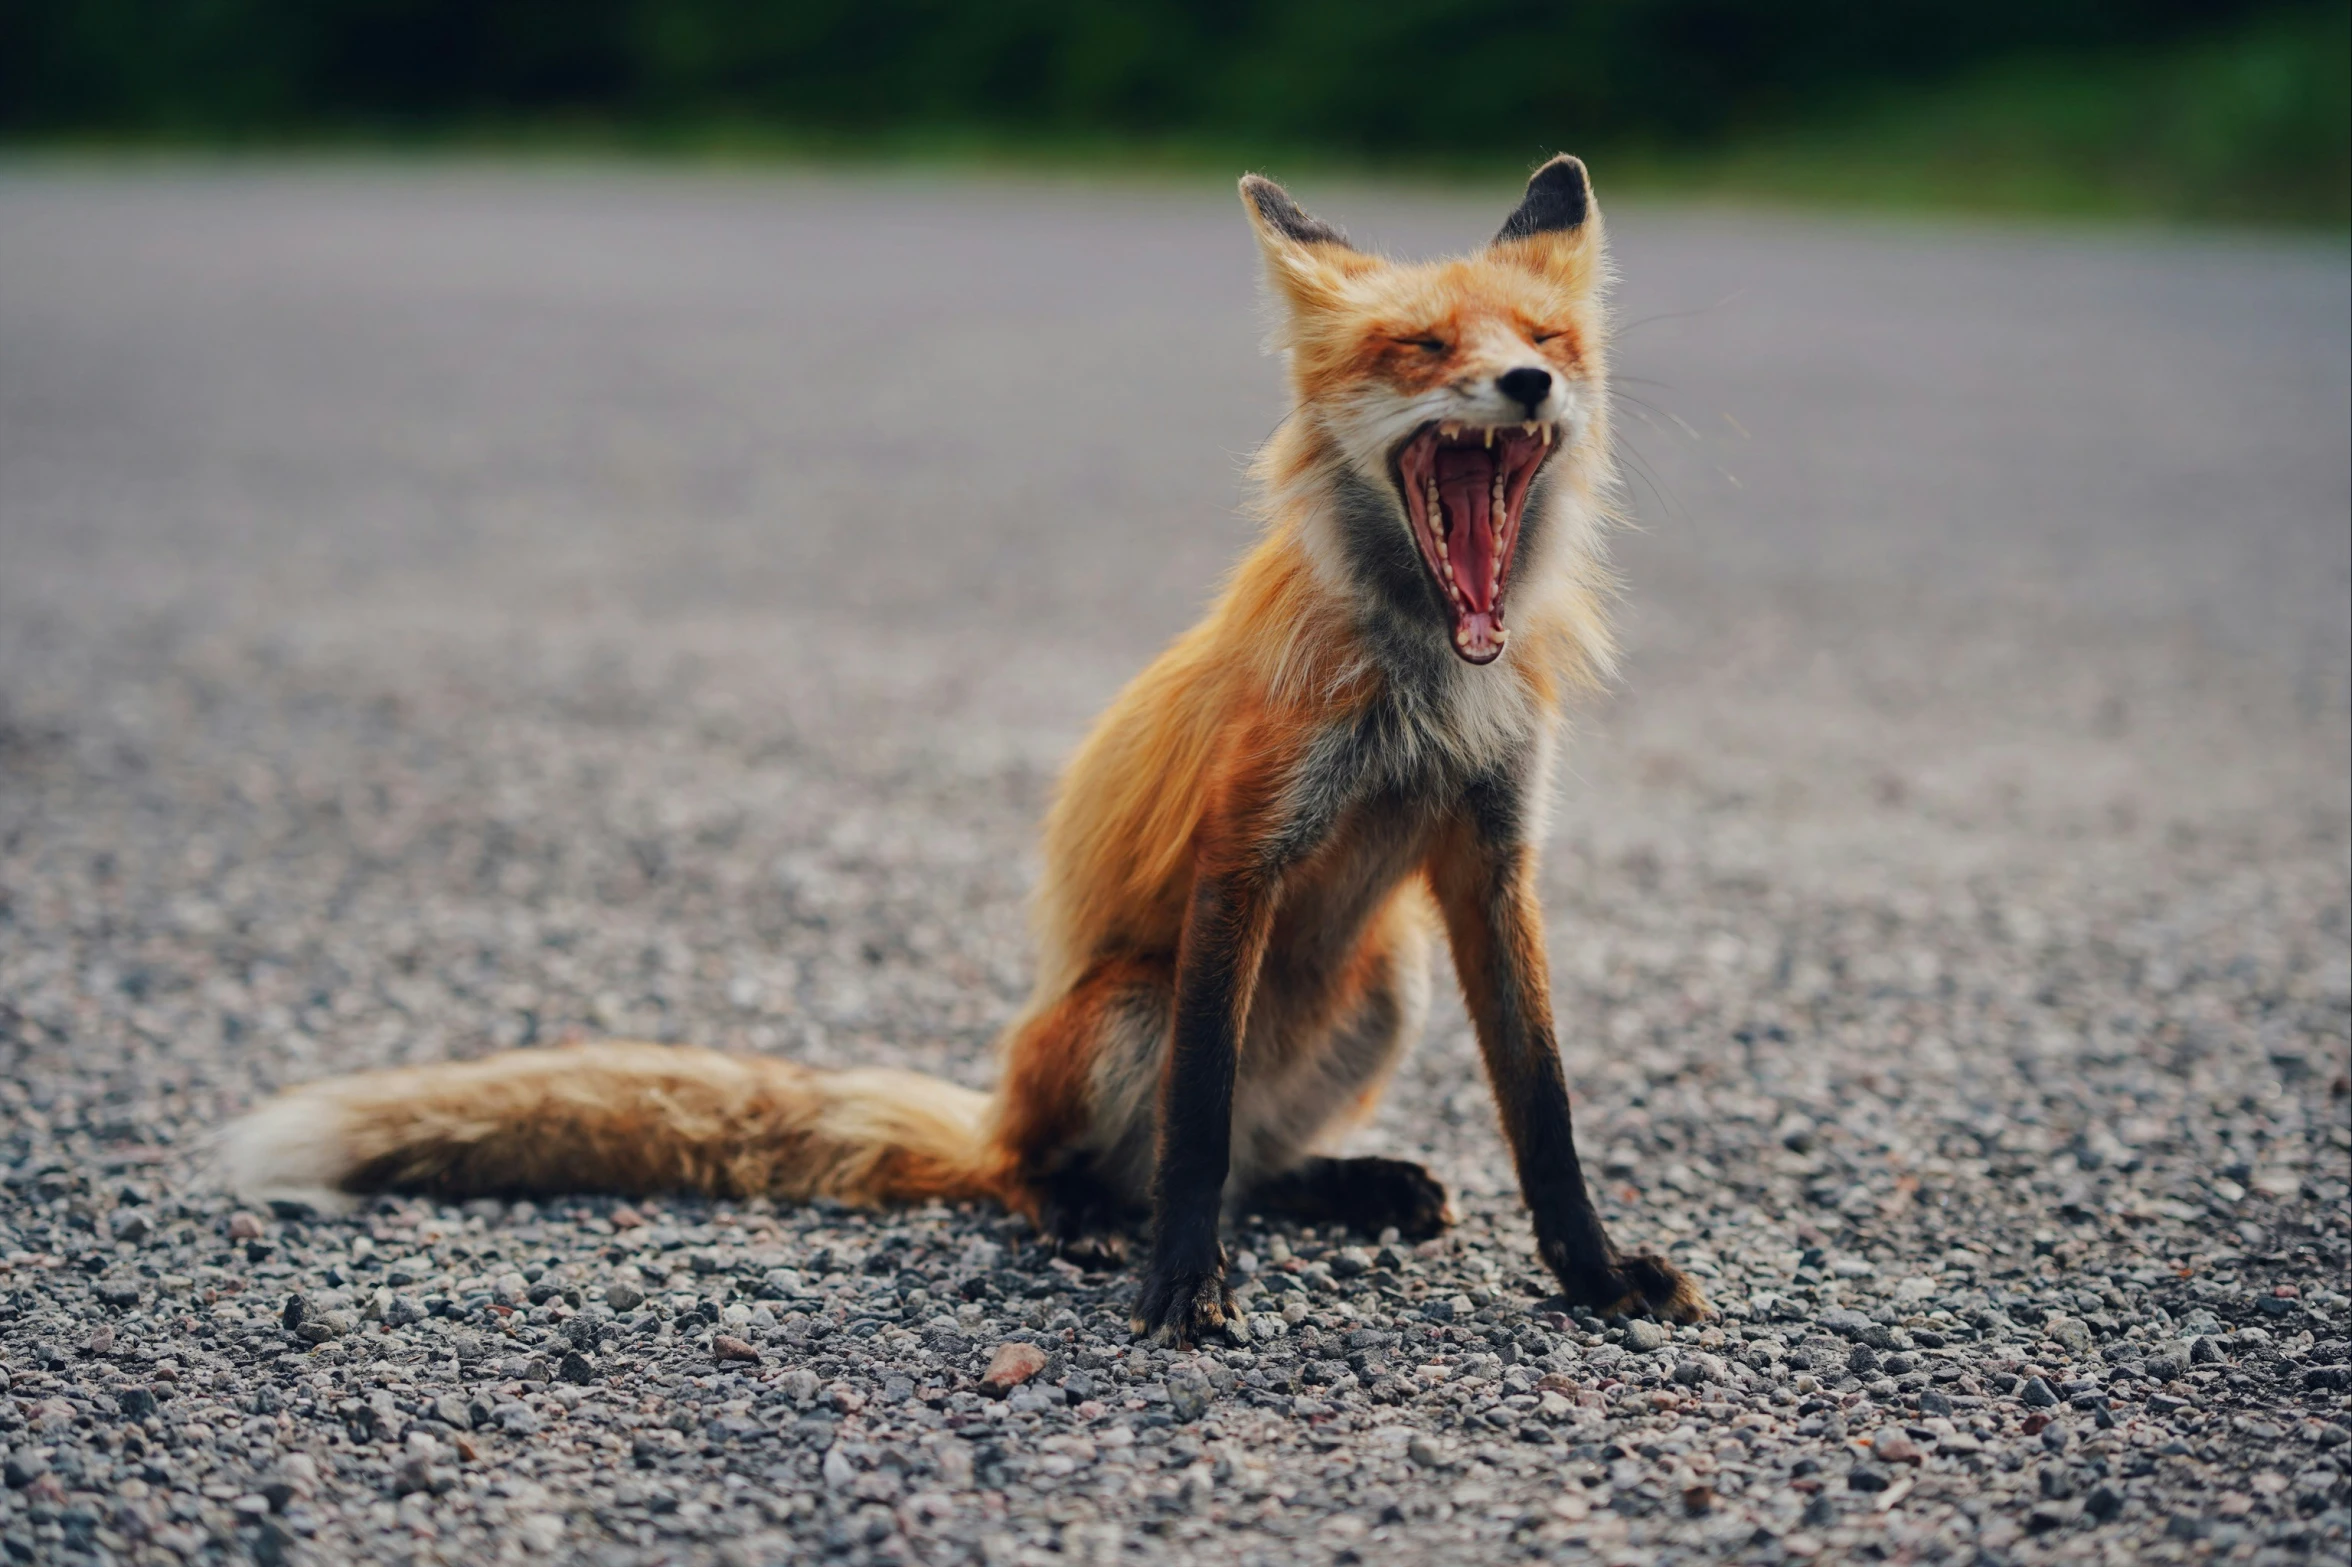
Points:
(1096, 1251)
(1405, 1195)
(1658, 1287)
(1179, 1307)
(1644, 1284)
(1082, 1220)
(1367, 1195)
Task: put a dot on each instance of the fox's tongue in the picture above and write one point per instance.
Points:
(1465, 489)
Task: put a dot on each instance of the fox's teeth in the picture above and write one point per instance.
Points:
(1451, 429)
(1527, 427)
(1501, 636)
(1490, 437)
(1461, 636)
(1544, 432)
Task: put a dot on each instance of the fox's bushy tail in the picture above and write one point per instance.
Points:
(635, 1119)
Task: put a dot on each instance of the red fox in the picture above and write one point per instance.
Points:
(1245, 863)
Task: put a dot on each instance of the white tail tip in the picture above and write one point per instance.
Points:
(293, 1149)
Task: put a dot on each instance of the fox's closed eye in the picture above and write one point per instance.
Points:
(1434, 345)
(1540, 338)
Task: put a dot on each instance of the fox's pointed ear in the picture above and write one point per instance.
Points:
(1556, 227)
(1307, 259)
(1275, 215)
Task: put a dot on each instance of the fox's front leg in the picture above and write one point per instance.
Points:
(1483, 871)
(1184, 1295)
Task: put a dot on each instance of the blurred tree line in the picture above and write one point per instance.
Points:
(1400, 75)
(2196, 108)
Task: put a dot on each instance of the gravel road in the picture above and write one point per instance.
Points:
(450, 610)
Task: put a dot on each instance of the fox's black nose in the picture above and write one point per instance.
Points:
(1530, 387)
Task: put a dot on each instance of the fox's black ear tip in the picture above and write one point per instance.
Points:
(1275, 209)
(1559, 197)
(1265, 198)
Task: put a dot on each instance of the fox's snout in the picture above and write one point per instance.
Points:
(1500, 388)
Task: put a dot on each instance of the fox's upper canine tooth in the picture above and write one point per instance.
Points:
(1545, 432)
(1490, 435)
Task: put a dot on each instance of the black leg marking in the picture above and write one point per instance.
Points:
(1184, 1298)
(1366, 1195)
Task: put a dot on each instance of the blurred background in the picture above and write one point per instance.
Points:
(2190, 109)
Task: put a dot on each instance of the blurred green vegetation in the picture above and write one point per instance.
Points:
(2188, 109)
(2252, 126)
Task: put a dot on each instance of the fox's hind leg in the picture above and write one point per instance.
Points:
(1073, 1130)
(1349, 1068)
(1336, 1082)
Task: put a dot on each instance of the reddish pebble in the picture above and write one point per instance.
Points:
(244, 1227)
(725, 1348)
(627, 1219)
(1010, 1366)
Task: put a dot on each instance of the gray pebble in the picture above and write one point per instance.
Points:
(1189, 1393)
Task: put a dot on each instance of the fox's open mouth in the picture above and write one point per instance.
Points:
(1465, 488)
